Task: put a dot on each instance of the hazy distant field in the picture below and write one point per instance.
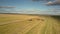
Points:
(28, 24)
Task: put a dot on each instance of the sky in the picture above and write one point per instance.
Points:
(25, 5)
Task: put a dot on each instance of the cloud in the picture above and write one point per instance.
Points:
(7, 6)
(56, 2)
(50, 2)
(41, 0)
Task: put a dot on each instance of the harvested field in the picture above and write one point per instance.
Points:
(28, 24)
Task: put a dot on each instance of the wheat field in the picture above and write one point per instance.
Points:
(28, 24)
